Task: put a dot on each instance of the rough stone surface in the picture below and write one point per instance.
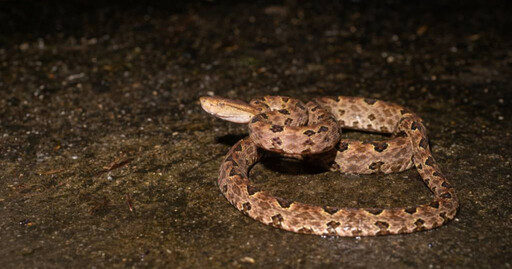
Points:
(107, 160)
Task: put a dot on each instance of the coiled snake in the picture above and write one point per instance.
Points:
(313, 130)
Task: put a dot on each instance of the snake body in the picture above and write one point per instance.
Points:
(292, 128)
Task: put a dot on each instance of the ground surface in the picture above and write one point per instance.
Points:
(99, 115)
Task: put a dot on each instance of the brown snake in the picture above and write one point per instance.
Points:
(290, 127)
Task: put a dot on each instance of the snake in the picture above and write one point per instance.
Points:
(313, 131)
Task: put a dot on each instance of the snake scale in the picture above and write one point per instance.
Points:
(313, 131)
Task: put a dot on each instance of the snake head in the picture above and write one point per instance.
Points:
(227, 109)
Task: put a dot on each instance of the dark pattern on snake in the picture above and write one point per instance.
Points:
(300, 138)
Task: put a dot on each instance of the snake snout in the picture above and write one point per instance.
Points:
(227, 109)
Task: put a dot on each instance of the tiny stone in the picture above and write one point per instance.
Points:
(247, 260)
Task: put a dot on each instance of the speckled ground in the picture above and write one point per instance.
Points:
(107, 160)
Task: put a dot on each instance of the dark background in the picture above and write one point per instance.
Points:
(107, 159)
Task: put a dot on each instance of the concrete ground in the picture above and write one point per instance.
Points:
(107, 159)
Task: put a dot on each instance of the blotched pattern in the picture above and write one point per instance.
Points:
(409, 145)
